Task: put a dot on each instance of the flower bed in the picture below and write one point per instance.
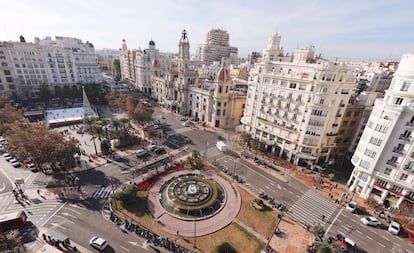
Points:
(146, 184)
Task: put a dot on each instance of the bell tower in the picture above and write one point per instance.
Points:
(184, 46)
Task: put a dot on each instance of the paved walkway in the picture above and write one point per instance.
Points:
(203, 227)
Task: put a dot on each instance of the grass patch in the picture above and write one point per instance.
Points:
(263, 222)
(233, 235)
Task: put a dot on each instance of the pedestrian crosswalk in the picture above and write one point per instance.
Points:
(312, 208)
(103, 192)
(37, 210)
(5, 200)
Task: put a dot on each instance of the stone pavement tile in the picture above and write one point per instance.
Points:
(294, 238)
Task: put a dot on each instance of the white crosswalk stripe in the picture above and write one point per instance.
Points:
(37, 212)
(310, 209)
(103, 192)
(5, 200)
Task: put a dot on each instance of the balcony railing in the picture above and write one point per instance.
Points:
(405, 138)
(332, 134)
(398, 151)
(392, 163)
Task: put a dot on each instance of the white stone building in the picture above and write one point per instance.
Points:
(61, 64)
(384, 157)
(296, 104)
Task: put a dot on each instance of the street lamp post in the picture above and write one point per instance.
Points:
(195, 233)
(236, 160)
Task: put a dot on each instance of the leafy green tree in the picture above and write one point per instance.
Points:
(44, 93)
(10, 243)
(225, 247)
(8, 114)
(128, 195)
(318, 231)
(142, 113)
(106, 147)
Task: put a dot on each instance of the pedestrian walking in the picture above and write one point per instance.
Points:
(38, 191)
(323, 217)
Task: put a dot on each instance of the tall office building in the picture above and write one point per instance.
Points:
(384, 157)
(216, 47)
(295, 105)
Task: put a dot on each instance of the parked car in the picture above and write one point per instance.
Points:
(188, 123)
(247, 154)
(98, 243)
(346, 243)
(16, 164)
(160, 150)
(13, 160)
(7, 156)
(411, 237)
(152, 147)
(141, 152)
(370, 221)
(181, 118)
(351, 206)
(394, 228)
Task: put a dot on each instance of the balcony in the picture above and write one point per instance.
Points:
(392, 163)
(398, 151)
(332, 134)
(405, 138)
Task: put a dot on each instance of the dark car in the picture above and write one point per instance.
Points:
(159, 151)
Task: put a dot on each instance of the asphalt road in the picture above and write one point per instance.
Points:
(69, 218)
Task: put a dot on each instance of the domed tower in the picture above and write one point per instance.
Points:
(184, 46)
(124, 45)
(221, 95)
(273, 49)
(151, 44)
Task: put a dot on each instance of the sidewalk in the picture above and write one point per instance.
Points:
(48, 248)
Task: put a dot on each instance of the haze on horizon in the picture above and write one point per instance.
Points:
(351, 29)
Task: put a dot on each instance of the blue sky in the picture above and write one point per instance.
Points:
(353, 29)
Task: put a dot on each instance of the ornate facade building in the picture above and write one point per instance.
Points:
(178, 87)
(295, 105)
(384, 157)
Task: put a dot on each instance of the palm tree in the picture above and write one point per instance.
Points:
(104, 122)
(90, 122)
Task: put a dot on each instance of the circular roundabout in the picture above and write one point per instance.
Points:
(179, 199)
(190, 196)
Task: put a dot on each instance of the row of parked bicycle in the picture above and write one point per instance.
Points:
(232, 174)
(151, 237)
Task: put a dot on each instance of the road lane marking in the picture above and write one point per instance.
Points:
(267, 187)
(122, 247)
(339, 220)
(279, 187)
(369, 237)
(359, 232)
(385, 238)
(50, 217)
(336, 217)
(380, 244)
